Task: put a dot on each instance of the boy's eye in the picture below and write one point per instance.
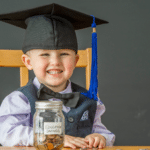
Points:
(45, 54)
(64, 54)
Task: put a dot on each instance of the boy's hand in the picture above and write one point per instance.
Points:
(96, 140)
(74, 142)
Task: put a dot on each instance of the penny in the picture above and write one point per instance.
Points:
(50, 146)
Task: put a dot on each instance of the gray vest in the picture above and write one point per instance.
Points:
(79, 120)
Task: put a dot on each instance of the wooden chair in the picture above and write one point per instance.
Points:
(12, 58)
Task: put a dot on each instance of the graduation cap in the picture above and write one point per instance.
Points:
(49, 27)
(53, 27)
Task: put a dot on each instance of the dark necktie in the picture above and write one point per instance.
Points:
(68, 99)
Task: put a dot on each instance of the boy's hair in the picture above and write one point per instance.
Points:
(28, 53)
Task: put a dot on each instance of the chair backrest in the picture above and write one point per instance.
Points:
(12, 58)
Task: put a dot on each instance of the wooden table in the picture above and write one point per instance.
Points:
(107, 148)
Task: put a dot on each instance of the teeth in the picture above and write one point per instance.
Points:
(54, 72)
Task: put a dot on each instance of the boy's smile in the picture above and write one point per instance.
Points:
(54, 71)
(52, 67)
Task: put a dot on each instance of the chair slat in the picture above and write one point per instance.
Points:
(11, 58)
(24, 76)
(88, 67)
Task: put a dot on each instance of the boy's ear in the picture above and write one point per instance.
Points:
(77, 58)
(27, 62)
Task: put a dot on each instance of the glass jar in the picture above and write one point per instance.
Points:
(48, 125)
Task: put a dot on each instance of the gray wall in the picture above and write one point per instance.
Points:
(123, 61)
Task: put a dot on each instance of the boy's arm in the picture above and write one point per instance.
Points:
(98, 127)
(15, 125)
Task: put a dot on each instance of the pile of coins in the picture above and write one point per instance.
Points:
(48, 142)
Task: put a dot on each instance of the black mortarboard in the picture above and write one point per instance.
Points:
(50, 27)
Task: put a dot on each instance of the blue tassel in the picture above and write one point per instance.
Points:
(92, 92)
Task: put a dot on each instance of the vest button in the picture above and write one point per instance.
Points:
(70, 119)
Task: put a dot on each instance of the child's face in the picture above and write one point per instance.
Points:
(52, 67)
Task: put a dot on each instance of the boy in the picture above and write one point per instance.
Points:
(50, 49)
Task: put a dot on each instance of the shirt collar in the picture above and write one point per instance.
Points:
(67, 90)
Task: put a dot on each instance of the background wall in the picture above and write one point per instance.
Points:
(123, 61)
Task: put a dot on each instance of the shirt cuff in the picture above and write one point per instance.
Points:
(110, 139)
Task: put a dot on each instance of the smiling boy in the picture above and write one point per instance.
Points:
(50, 50)
(53, 68)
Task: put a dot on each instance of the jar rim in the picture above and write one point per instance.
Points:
(48, 104)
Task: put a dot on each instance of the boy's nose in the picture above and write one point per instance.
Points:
(55, 61)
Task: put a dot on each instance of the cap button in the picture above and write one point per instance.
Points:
(70, 119)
